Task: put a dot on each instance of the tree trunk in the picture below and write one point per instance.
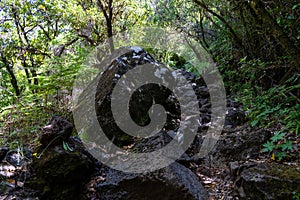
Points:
(262, 16)
(108, 15)
(13, 78)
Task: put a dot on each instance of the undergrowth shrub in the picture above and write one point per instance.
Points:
(21, 118)
(270, 106)
(21, 122)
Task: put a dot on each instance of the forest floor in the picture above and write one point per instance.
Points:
(218, 181)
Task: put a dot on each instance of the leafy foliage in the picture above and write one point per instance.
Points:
(296, 196)
(43, 45)
(278, 145)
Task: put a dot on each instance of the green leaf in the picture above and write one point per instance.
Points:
(65, 146)
(288, 145)
(69, 148)
(280, 155)
(277, 136)
(254, 123)
(269, 146)
(295, 6)
(265, 150)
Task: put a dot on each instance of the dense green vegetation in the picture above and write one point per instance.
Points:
(255, 43)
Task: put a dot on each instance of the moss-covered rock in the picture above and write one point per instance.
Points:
(268, 181)
(61, 174)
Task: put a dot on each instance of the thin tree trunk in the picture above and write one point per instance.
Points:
(108, 15)
(13, 78)
(26, 70)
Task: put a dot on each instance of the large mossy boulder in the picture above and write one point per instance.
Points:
(268, 181)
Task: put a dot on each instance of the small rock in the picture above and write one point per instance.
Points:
(3, 152)
(18, 157)
(202, 92)
(235, 117)
(58, 130)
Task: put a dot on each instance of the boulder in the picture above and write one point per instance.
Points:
(118, 64)
(61, 169)
(267, 181)
(122, 61)
(61, 174)
(232, 145)
(172, 182)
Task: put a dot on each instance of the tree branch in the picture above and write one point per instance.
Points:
(228, 26)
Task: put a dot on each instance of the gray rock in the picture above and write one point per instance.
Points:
(268, 181)
(232, 146)
(18, 157)
(58, 130)
(173, 182)
(127, 59)
(234, 117)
